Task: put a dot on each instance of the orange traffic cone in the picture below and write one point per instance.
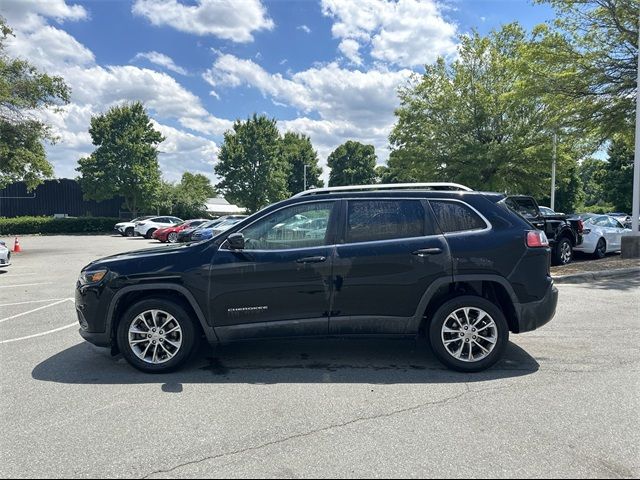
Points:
(16, 246)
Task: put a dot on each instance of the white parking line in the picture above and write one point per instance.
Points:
(11, 275)
(36, 310)
(31, 301)
(39, 334)
(25, 285)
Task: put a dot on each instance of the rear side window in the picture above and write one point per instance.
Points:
(456, 217)
(524, 206)
(371, 220)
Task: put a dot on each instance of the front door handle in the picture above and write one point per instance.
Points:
(318, 259)
(423, 252)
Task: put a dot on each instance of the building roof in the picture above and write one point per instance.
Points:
(220, 205)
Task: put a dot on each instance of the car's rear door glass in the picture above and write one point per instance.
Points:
(456, 217)
(373, 220)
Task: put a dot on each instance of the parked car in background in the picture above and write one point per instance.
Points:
(127, 229)
(602, 234)
(547, 212)
(146, 227)
(207, 232)
(564, 233)
(170, 234)
(185, 235)
(623, 218)
(5, 255)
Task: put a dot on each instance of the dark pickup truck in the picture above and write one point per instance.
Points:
(564, 233)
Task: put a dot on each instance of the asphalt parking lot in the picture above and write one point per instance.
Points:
(564, 402)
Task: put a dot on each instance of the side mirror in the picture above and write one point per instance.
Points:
(236, 241)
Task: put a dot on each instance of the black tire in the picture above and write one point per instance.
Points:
(436, 336)
(601, 249)
(129, 232)
(188, 346)
(563, 252)
(172, 237)
(149, 233)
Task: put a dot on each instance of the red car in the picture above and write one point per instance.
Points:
(170, 234)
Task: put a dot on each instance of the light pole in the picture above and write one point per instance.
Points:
(553, 173)
(305, 177)
(631, 242)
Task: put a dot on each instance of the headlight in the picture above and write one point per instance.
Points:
(92, 277)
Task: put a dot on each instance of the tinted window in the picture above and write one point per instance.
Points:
(524, 206)
(297, 226)
(456, 217)
(384, 220)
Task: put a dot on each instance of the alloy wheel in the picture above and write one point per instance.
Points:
(469, 334)
(155, 337)
(565, 253)
(173, 237)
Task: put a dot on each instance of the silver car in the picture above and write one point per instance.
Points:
(5, 255)
(602, 234)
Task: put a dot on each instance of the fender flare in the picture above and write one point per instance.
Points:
(208, 330)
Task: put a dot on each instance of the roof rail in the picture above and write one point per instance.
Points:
(389, 186)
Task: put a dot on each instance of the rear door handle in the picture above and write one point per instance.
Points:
(423, 252)
(318, 259)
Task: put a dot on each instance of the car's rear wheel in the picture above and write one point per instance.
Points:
(563, 252)
(149, 234)
(601, 249)
(469, 333)
(172, 237)
(156, 336)
(129, 232)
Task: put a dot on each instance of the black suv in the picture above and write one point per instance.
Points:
(428, 259)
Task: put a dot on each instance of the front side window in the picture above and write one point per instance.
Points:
(297, 226)
(456, 217)
(372, 220)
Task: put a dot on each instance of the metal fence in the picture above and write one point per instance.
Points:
(55, 197)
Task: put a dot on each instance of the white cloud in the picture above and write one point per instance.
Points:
(161, 60)
(27, 14)
(407, 33)
(227, 19)
(304, 28)
(333, 92)
(351, 49)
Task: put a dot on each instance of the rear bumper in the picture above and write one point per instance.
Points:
(534, 315)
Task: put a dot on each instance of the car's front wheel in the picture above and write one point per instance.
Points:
(469, 333)
(156, 336)
(173, 237)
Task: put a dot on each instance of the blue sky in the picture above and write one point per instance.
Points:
(326, 68)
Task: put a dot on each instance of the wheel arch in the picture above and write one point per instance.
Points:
(127, 296)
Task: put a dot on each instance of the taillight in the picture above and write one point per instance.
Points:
(537, 239)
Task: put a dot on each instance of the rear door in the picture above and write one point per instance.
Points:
(389, 253)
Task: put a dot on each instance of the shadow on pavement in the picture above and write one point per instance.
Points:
(377, 361)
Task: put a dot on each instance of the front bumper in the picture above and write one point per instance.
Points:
(533, 315)
(92, 305)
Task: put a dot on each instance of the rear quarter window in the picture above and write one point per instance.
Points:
(456, 217)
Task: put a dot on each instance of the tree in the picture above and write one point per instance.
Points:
(591, 171)
(297, 151)
(191, 195)
(253, 173)
(475, 121)
(125, 162)
(352, 163)
(617, 178)
(24, 91)
(588, 62)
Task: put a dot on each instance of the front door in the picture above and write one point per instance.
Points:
(388, 256)
(280, 284)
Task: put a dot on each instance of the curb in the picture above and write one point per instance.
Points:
(588, 276)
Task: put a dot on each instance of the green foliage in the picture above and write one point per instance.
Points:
(617, 178)
(352, 163)
(297, 151)
(588, 62)
(191, 196)
(252, 171)
(591, 171)
(50, 225)
(125, 162)
(477, 122)
(24, 91)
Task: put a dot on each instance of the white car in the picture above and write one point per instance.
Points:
(5, 255)
(127, 229)
(602, 234)
(145, 228)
